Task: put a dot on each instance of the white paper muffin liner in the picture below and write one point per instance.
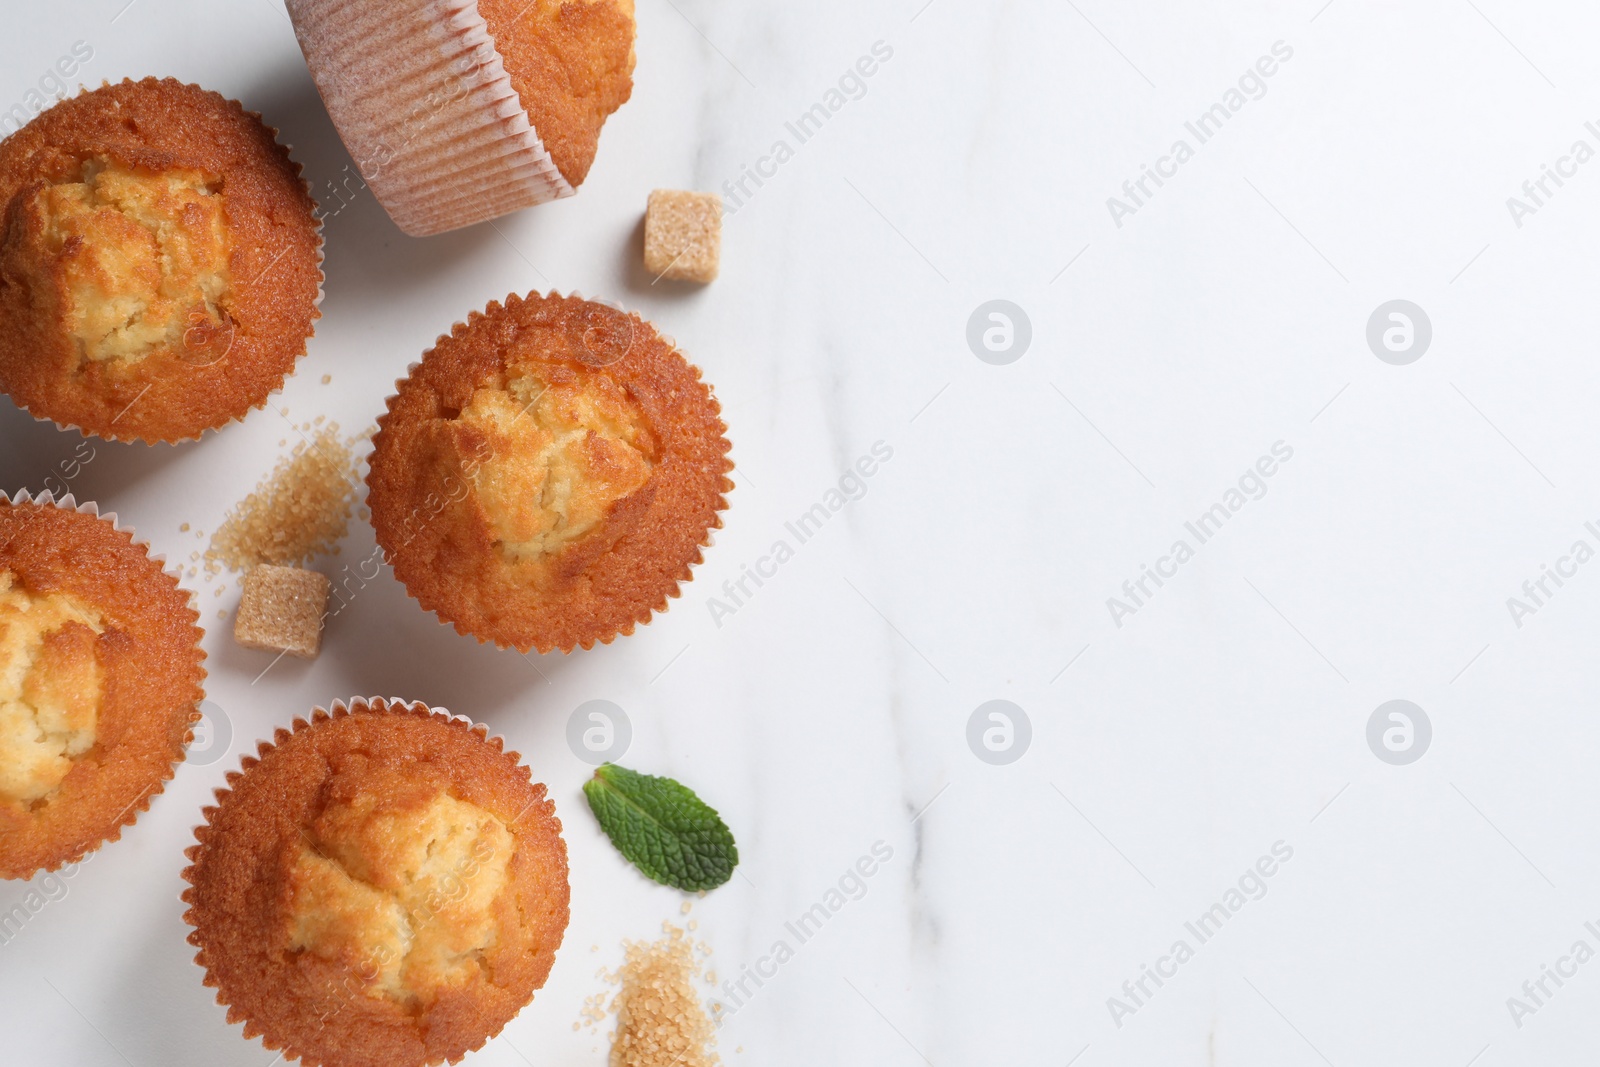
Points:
(67, 502)
(423, 102)
(316, 310)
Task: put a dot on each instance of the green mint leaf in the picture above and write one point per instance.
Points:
(662, 828)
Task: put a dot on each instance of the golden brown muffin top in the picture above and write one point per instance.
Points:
(51, 688)
(548, 474)
(159, 263)
(143, 257)
(571, 63)
(100, 682)
(382, 886)
(561, 454)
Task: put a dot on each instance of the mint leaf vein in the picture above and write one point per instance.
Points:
(662, 828)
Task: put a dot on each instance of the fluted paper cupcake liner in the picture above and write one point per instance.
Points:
(423, 102)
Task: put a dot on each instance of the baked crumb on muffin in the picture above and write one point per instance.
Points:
(159, 262)
(382, 886)
(100, 683)
(148, 256)
(548, 474)
(52, 688)
(571, 62)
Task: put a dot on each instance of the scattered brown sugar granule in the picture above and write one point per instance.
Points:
(660, 1019)
(593, 1011)
(326, 378)
(683, 235)
(300, 510)
(281, 610)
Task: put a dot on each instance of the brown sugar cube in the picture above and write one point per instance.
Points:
(281, 610)
(683, 235)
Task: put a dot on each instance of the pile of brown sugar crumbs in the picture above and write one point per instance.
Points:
(660, 1019)
(302, 509)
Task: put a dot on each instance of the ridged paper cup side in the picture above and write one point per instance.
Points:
(423, 102)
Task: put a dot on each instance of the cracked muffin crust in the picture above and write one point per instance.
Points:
(100, 683)
(548, 474)
(383, 885)
(159, 262)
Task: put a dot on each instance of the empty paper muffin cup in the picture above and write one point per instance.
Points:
(457, 111)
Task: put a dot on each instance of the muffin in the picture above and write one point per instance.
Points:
(160, 265)
(571, 64)
(382, 885)
(100, 681)
(457, 111)
(548, 474)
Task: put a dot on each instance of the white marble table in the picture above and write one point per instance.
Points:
(1186, 737)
